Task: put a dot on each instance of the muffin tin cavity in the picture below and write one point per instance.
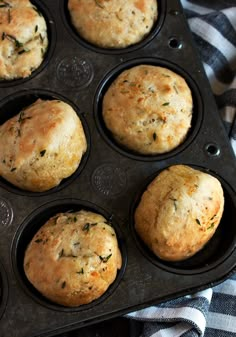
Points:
(32, 224)
(153, 33)
(3, 290)
(12, 105)
(220, 246)
(52, 37)
(107, 81)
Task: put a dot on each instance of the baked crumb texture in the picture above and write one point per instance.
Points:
(112, 23)
(41, 145)
(179, 212)
(23, 39)
(73, 258)
(148, 109)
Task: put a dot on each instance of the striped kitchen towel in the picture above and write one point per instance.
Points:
(212, 312)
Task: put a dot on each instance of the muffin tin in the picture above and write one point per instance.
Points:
(110, 179)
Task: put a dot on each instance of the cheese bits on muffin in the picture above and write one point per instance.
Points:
(73, 258)
(112, 23)
(148, 109)
(179, 212)
(41, 145)
(23, 39)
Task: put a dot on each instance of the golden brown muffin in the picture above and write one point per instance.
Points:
(73, 258)
(179, 212)
(23, 39)
(41, 145)
(112, 23)
(148, 109)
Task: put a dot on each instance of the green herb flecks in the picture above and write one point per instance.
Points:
(81, 271)
(198, 222)
(5, 4)
(87, 226)
(105, 258)
(165, 75)
(166, 103)
(98, 4)
(42, 153)
(38, 240)
(9, 15)
(41, 37)
(22, 51)
(13, 169)
(63, 284)
(174, 202)
(36, 28)
(13, 39)
(211, 226)
(154, 136)
(61, 253)
(176, 90)
(213, 217)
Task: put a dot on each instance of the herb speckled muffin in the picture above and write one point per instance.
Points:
(73, 258)
(23, 39)
(41, 145)
(179, 212)
(112, 23)
(148, 109)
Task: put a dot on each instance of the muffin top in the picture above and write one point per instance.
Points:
(179, 212)
(41, 145)
(23, 39)
(73, 258)
(148, 109)
(112, 23)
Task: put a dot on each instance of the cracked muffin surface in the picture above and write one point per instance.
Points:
(23, 39)
(148, 109)
(40, 146)
(112, 23)
(73, 258)
(179, 212)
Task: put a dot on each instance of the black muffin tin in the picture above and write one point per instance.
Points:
(111, 179)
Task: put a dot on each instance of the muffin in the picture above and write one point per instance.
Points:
(112, 23)
(23, 41)
(179, 212)
(73, 258)
(148, 109)
(41, 145)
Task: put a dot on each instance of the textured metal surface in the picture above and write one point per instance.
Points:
(111, 179)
